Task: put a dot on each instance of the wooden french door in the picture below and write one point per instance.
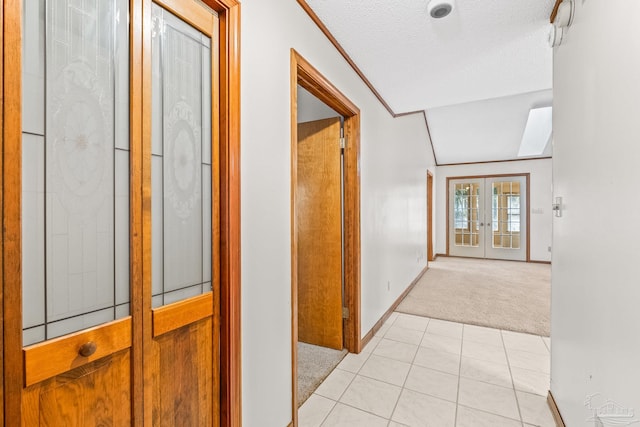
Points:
(488, 217)
(77, 328)
(182, 344)
(120, 216)
(319, 227)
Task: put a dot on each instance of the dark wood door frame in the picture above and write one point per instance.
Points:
(305, 75)
(527, 177)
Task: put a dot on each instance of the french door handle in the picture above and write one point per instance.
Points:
(481, 224)
(488, 224)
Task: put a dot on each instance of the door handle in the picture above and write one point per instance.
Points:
(87, 349)
(481, 224)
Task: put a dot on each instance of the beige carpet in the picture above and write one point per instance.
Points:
(500, 294)
(314, 365)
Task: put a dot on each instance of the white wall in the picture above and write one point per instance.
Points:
(311, 108)
(394, 160)
(595, 327)
(541, 200)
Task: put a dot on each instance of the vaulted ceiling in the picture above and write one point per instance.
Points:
(476, 72)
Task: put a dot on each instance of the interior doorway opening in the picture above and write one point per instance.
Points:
(325, 217)
(320, 230)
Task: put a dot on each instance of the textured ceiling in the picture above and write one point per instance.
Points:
(484, 49)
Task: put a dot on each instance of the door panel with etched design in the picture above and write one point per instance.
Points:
(184, 200)
(75, 227)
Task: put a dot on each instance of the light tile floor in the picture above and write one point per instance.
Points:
(427, 372)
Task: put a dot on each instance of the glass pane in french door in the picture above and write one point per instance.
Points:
(181, 160)
(466, 214)
(75, 165)
(506, 217)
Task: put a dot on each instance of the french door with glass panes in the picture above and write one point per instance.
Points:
(488, 217)
(120, 213)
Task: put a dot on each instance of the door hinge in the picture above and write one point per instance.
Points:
(345, 313)
(343, 142)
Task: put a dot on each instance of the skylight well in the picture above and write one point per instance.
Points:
(537, 132)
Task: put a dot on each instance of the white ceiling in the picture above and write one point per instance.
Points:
(483, 130)
(485, 49)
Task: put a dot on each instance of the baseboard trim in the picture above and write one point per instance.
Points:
(554, 410)
(443, 255)
(533, 261)
(391, 309)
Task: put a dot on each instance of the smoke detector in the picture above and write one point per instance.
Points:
(440, 8)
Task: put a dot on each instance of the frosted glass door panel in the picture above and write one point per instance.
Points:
(181, 159)
(33, 40)
(75, 166)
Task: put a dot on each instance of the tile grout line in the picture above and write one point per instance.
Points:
(356, 374)
(335, 403)
(513, 384)
(402, 388)
(412, 365)
(488, 412)
(352, 407)
(455, 418)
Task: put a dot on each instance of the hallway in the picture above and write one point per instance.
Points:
(426, 372)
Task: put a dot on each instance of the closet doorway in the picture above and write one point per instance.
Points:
(488, 218)
(120, 250)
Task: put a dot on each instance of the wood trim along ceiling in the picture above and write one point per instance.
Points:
(345, 55)
(433, 150)
(495, 161)
(359, 72)
(554, 12)
(366, 81)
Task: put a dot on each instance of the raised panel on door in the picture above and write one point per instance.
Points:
(466, 217)
(75, 213)
(319, 231)
(183, 354)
